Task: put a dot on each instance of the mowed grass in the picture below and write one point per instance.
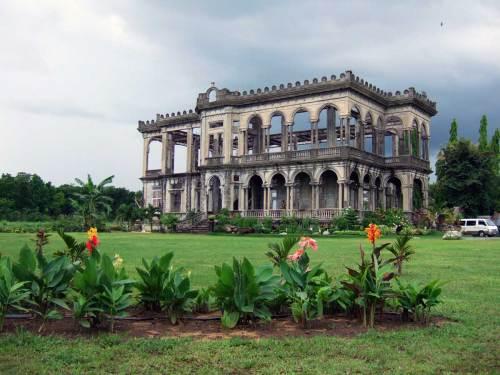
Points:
(467, 345)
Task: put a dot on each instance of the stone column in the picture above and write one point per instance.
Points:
(268, 138)
(164, 151)
(347, 131)
(170, 153)
(360, 198)
(331, 130)
(284, 137)
(407, 192)
(287, 200)
(145, 154)
(290, 137)
(314, 134)
(189, 150)
(361, 136)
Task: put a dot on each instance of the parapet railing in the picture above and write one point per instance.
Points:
(338, 152)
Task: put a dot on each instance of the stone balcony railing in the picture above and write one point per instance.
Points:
(331, 153)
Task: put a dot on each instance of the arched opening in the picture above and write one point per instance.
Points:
(301, 136)
(369, 135)
(302, 192)
(154, 155)
(327, 127)
(278, 192)
(366, 192)
(393, 195)
(354, 190)
(415, 140)
(214, 195)
(180, 152)
(255, 193)
(352, 128)
(378, 194)
(424, 150)
(418, 195)
(277, 137)
(328, 190)
(255, 138)
(212, 95)
(392, 146)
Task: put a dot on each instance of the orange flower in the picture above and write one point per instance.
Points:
(296, 256)
(93, 240)
(373, 233)
(308, 242)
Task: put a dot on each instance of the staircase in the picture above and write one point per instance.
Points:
(198, 225)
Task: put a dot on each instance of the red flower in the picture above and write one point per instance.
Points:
(92, 244)
(308, 242)
(296, 256)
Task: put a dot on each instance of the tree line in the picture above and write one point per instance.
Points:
(27, 197)
(468, 173)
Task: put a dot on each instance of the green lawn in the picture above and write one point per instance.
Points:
(472, 299)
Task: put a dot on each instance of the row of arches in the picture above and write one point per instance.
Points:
(389, 138)
(303, 194)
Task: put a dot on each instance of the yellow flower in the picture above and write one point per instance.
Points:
(91, 233)
(117, 261)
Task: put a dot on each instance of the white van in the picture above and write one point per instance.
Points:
(479, 227)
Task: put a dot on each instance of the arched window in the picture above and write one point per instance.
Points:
(255, 193)
(154, 155)
(328, 190)
(212, 95)
(303, 192)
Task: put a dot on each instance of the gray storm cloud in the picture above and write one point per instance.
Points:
(76, 76)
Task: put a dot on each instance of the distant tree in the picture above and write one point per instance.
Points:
(453, 131)
(495, 149)
(466, 178)
(483, 134)
(92, 200)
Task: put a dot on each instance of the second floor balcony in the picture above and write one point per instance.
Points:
(338, 153)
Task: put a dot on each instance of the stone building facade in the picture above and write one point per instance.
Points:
(306, 149)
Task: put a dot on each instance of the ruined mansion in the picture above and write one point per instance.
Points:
(308, 149)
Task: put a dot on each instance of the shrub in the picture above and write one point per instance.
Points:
(401, 250)
(13, 294)
(279, 251)
(163, 288)
(418, 301)
(47, 281)
(243, 292)
(102, 291)
(74, 250)
(169, 220)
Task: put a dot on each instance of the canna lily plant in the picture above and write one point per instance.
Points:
(371, 279)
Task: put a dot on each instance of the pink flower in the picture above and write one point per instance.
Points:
(308, 242)
(296, 256)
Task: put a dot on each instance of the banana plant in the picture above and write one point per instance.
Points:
(13, 294)
(243, 292)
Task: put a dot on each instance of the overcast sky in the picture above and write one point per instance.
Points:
(75, 76)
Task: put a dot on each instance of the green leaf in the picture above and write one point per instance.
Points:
(230, 318)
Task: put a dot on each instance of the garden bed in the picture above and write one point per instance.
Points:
(208, 327)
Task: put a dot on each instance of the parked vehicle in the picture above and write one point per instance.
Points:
(478, 227)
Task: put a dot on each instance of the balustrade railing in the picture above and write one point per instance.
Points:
(338, 152)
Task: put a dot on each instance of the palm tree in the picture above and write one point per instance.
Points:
(401, 250)
(92, 200)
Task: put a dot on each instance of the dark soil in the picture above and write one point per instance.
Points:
(208, 327)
